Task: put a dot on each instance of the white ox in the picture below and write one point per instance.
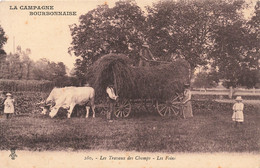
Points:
(68, 97)
(52, 98)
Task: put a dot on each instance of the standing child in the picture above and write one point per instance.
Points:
(9, 105)
(238, 108)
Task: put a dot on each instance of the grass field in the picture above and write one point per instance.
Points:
(210, 130)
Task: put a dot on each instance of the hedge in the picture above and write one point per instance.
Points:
(7, 85)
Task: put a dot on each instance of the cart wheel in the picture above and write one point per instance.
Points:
(122, 109)
(169, 108)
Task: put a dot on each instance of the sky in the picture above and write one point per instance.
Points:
(47, 36)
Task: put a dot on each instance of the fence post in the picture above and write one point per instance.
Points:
(230, 92)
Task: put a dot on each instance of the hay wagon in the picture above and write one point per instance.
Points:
(158, 87)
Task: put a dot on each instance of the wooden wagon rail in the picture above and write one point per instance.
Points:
(223, 91)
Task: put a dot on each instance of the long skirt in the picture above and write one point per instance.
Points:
(187, 110)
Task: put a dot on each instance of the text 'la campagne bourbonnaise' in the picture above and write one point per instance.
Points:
(43, 11)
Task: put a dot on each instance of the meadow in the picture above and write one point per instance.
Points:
(210, 130)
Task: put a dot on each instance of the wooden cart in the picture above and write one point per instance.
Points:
(165, 108)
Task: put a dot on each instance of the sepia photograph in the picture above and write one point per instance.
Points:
(130, 83)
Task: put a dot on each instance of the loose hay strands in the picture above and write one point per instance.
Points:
(155, 82)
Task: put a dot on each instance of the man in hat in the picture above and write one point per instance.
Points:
(145, 55)
(112, 100)
(9, 105)
(238, 107)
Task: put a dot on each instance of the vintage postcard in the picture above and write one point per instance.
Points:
(130, 83)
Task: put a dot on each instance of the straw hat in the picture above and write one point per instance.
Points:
(8, 94)
(239, 98)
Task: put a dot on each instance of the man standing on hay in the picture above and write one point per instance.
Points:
(187, 108)
(145, 55)
(112, 100)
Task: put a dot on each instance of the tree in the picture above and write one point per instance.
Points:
(12, 68)
(47, 70)
(249, 78)
(206, 80)
(3, 40)
(209, 32)
(57, 73)
(17, 65)
(41, 70)
(234, 49)
(25, 61)
(180, 30)
(80, 70)
(250, 75)
(255, 21)
(104, 30)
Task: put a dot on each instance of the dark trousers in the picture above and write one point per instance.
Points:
(111, 108)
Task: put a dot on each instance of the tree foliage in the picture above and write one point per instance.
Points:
(104, 30)
(19, 66)
(180, 29)
(205, 80)
(44, 69)
(234, 48)
(208, 32)
(3, 40)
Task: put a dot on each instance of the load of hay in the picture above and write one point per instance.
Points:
(159, 82)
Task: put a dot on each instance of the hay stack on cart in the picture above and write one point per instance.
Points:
(161, 83)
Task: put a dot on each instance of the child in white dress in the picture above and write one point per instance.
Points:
(9, 105)
(238, 107)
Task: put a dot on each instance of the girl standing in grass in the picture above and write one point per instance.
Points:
(238, 107)
(9, 105)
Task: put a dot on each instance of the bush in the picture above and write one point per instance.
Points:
(207, 107)
(27, 102)
(25, 85)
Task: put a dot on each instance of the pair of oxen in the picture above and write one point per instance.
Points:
(67, 98)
